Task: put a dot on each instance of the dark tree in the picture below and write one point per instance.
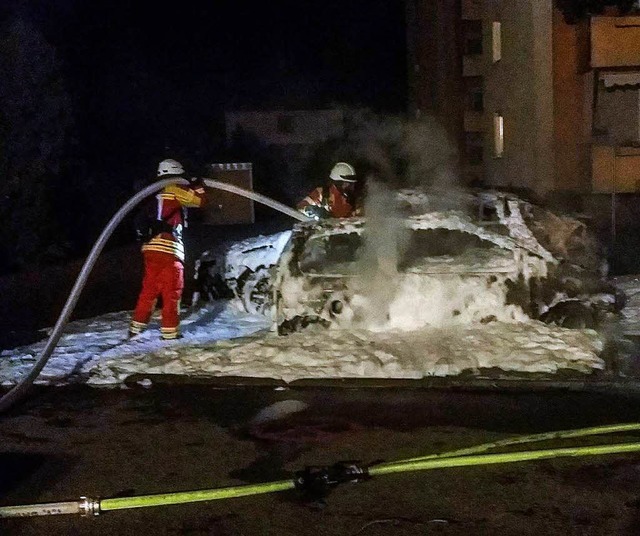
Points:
(575, 10)
(35, 119)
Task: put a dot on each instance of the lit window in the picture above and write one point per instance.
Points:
(498, 135)
(496, 40)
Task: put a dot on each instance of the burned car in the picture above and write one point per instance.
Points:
(499, 258)
(241, 270)
(440, 261)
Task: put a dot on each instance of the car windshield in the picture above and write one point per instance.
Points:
(331, 254)
(451, 251)
(426, 251)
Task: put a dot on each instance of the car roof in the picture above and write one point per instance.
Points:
(422, 210)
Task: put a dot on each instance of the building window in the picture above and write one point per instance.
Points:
(472, 37)
(285, 124)
(496, 41)
(498, 135)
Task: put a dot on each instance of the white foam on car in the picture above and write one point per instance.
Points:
(253, 253)
(437, 291)
(442, 302)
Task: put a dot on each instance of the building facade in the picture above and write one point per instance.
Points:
(614, 70)
(546, 106)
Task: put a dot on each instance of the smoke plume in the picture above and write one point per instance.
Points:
(395, 153)
(402, 152)
(385, 240)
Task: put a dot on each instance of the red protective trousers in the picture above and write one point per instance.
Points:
(163, 276)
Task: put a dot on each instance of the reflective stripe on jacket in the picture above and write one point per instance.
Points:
(171, 202)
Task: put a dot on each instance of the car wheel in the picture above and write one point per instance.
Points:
(570, 314)
(211, 284)
(256, 292)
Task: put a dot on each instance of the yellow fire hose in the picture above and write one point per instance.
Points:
(535, 438)
(458, 458)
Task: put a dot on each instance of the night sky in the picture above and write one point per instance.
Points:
(145, 76)
(137, 81)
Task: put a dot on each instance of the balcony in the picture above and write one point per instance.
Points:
(615, 169)
(472, 65)
(615, 42)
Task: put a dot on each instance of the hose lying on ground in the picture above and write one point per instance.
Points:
(457, 458)
(20, 389)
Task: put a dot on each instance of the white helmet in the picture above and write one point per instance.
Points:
(170, 167)
(343, 172)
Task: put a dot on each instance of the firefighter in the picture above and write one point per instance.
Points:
(334, 200)
(163, 252)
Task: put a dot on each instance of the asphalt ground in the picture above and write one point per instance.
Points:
(62, 443)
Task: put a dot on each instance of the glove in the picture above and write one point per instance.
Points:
(196, 182)
(315, 212)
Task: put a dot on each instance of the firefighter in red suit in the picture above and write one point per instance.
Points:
(163, 253)
(335, 200)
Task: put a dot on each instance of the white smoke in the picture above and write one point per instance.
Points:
(398, 152)
(401, 151)
(384, 241)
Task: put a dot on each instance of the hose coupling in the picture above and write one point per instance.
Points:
(315, 482)
(88, 507)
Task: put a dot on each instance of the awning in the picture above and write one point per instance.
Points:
(621, 79)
